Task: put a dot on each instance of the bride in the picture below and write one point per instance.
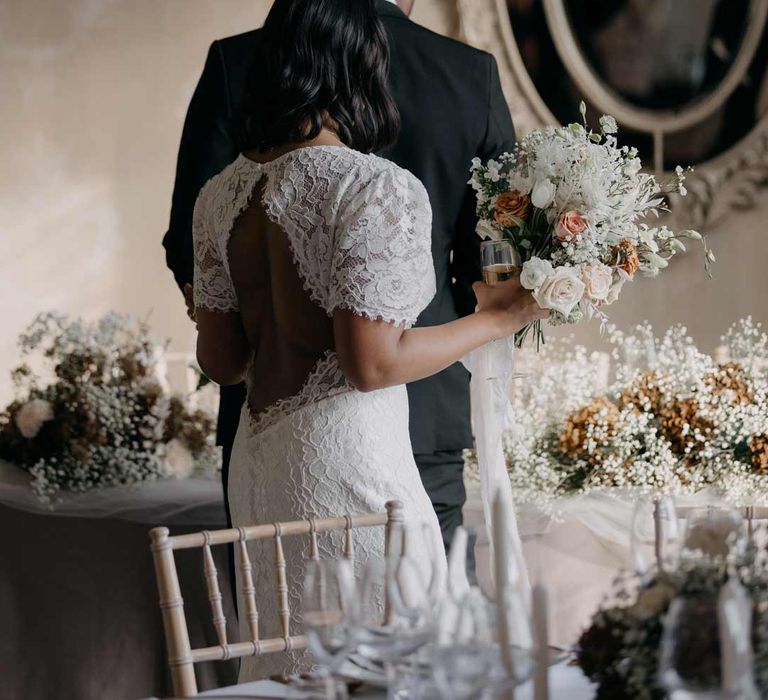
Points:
(312, 262)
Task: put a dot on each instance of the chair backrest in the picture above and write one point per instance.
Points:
(181, 655)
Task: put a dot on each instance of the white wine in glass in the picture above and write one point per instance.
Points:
(500, 261)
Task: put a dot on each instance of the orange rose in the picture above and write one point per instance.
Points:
(509, 205)
(625, 257)
(570, 225)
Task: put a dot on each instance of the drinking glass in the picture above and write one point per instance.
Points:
(330, 611)
(713, 533)
(411, 613)
(500, 261)
(689, 663)
(655, 537)
(463, 663)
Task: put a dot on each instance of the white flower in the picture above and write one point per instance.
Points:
(608, 124)
(535, 271)
(178, 463)
(32, 415)
(560, 292)
(543, 193)
(615, 290)
(488, 230)
(598, 280)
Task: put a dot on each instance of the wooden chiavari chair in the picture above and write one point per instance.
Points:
(181, 656)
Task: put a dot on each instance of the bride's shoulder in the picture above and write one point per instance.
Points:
(369, 173)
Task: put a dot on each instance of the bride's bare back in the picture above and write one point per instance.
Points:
(287, 331)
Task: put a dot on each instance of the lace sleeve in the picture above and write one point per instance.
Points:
(382, 265)
(213, 290)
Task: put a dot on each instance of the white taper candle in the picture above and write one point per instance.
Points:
(540, 605)
(501, 548)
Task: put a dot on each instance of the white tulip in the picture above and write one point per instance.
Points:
(543, 193)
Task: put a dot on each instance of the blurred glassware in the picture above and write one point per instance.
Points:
(330, 611)
(463, 663)
(655, 538)
(689, 663)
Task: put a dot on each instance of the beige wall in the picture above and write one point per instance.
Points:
(92, 98)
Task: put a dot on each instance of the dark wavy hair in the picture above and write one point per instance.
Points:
(320, 63)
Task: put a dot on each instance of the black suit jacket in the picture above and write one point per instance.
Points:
(452, 110)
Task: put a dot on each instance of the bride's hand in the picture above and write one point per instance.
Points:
(511, 303)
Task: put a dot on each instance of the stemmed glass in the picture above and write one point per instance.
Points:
(412, 588)
(689, 664)
(500, 261)
(655, 537)
(330, 612)
(464, 661)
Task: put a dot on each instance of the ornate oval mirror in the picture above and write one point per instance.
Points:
(686, 79)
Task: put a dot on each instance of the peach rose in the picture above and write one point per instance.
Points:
(509, 205)
(570, 225)
(625, 257)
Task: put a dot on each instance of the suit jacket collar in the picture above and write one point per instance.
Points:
(388, 8)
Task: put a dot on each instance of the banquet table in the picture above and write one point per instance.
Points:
(566, 683)
(78, 600)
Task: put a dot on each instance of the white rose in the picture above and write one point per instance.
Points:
(178, 460)
(32, 415)
(535, 271)
(488, 230)
(561, 292)
(598, 280)
(543, 193)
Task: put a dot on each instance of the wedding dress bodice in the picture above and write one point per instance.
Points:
(359, 230)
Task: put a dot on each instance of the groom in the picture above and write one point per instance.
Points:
(452, 110)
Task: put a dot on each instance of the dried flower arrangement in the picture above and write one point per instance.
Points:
(672, 420)
(105, 416)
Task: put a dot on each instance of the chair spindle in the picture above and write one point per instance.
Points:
(214, 593)
(249, 590)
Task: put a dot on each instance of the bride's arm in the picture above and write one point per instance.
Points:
(376, 354)
(222, 346)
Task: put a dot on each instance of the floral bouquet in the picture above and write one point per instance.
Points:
(671, 419)
(99, 411)
(573, 204)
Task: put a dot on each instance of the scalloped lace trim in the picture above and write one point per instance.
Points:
(324, 380)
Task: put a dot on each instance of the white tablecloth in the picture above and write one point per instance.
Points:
(566, 683)
(173, 502)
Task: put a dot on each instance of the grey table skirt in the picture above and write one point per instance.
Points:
(79, 618)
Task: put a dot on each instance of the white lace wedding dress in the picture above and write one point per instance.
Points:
(358, 230)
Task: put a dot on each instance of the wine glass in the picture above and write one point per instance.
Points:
(500, 261)
(690, 661)
(463, 661)
(713, 533)
(330, 611)
(655, 537)
(409, 625)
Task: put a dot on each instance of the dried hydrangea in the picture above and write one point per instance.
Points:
(667, 418)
